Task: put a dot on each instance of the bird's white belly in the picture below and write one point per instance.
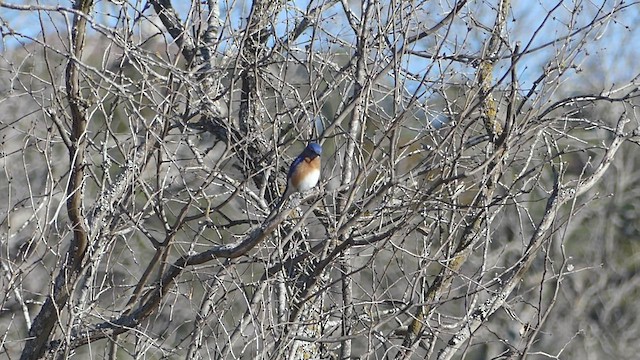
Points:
(309, 181)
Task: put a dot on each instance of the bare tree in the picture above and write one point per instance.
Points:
(145, 146)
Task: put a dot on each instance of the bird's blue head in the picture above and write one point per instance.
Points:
(313, 149)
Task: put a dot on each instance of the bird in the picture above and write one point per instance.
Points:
(304, 172)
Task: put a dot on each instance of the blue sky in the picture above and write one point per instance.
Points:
(611, 59)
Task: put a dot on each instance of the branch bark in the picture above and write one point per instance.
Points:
(47, 318)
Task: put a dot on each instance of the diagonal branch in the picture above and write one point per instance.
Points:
(171, 21)
(152, 299)
(513, 277)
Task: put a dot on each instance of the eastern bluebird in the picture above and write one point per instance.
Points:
(304, 171)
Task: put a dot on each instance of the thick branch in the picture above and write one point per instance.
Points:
(44, 323)
(171, 21)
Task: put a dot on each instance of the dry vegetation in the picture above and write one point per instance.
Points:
(477, 198)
